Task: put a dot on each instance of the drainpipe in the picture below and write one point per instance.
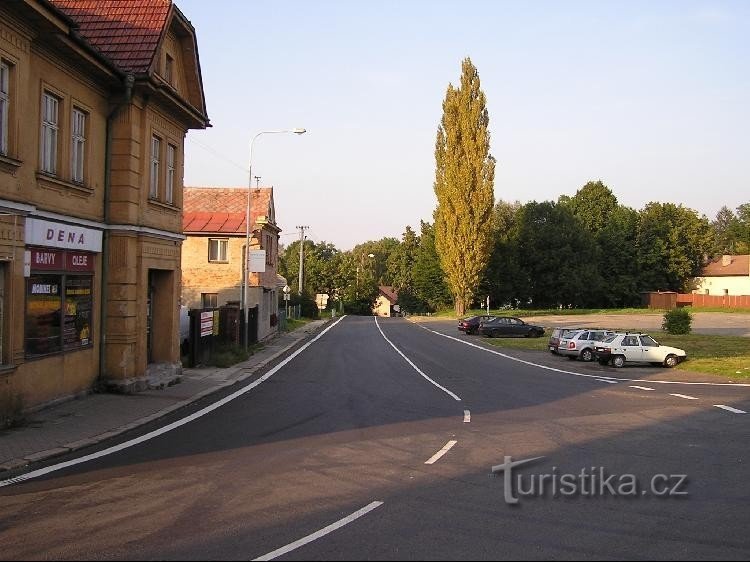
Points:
(128, 82)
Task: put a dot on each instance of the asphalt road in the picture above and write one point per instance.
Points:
(351, 421)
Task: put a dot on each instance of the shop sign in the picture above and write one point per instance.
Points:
(52, 234)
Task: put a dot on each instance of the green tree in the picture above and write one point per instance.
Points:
(464, 178)
(672, 243)
(430, 288)
(557, 255)
(503, 280)
(592, 205)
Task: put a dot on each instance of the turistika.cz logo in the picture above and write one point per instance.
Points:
(589, 482)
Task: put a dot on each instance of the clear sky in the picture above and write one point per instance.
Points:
(652, 97)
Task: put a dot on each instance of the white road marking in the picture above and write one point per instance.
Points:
(171, 426)
(417, 369)
(467, 416)
(599, 377)
(437, 456)
(685, 396)
(319, 534)
(730, 409)
(607, 381)
(642, 388)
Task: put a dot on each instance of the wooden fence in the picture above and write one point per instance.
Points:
(670, 300)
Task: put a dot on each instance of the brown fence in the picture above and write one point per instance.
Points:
(714, 301)
(670, 300)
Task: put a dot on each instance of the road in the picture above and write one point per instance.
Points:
(324, 458)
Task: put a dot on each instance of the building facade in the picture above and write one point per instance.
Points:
(213, 254)
(94, 109)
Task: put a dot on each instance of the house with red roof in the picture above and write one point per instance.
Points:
(386, 304)
(728, 275)
(213, 254)
(96, 98)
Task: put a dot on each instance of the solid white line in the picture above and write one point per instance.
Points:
(417, 369)
(171, 426)
(600, 377)
(730, 409)
(685, 396)
(467, 416)
(642, 387)
(319, 534)
(437, 456)
(607, 381)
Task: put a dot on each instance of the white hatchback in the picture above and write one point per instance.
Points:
(641, 348)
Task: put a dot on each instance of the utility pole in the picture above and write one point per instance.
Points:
(301, 254)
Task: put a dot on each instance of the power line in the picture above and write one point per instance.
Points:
(218, 154)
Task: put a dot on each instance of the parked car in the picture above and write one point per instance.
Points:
(503, 326)
(581, 343)
(621, 348)
(556, 335)
(471, 324)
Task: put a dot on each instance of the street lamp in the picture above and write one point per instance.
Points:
(248, 228)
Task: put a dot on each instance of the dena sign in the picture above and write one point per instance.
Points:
(59, 235)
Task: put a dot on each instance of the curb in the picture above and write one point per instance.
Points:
(16, 464)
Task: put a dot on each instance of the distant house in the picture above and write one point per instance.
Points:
(213, 253)
(387, 302)
(727, 275)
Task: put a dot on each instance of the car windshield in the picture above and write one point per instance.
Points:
(610, 339)
(648, 341)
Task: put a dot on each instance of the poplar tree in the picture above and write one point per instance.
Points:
(464, 178)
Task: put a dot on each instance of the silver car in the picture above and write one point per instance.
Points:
(580, 344)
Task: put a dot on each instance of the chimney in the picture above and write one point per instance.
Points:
(726, 260)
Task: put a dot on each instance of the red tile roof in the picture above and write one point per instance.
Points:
(125, 31)
(222, 209)
(740, 265)
(390, 293)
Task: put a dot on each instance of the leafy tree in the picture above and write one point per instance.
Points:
(725, 227)
(400, 263)
(503, 280)
(556, 254)
(464, 178)
(592, 205)
(430, 288)
(672, 243)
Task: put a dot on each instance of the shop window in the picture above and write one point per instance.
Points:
(58, 313)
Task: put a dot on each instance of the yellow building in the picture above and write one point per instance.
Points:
(213, 254)
(94, 109)
(386, 304)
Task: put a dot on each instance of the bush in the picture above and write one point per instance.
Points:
(677, 321)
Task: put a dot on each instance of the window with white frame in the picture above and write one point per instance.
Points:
(78, 145)
(153, 191)
(4, 106)
(50, 127)
(171, 151)
(218, 250)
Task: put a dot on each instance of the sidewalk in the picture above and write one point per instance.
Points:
(95, 418)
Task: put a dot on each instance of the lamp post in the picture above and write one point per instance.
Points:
(248, 227)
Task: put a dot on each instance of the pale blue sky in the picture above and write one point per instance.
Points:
(653, 98)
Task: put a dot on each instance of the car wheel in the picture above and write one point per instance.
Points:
(618, 361)
(671, 361)
(587, 355)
